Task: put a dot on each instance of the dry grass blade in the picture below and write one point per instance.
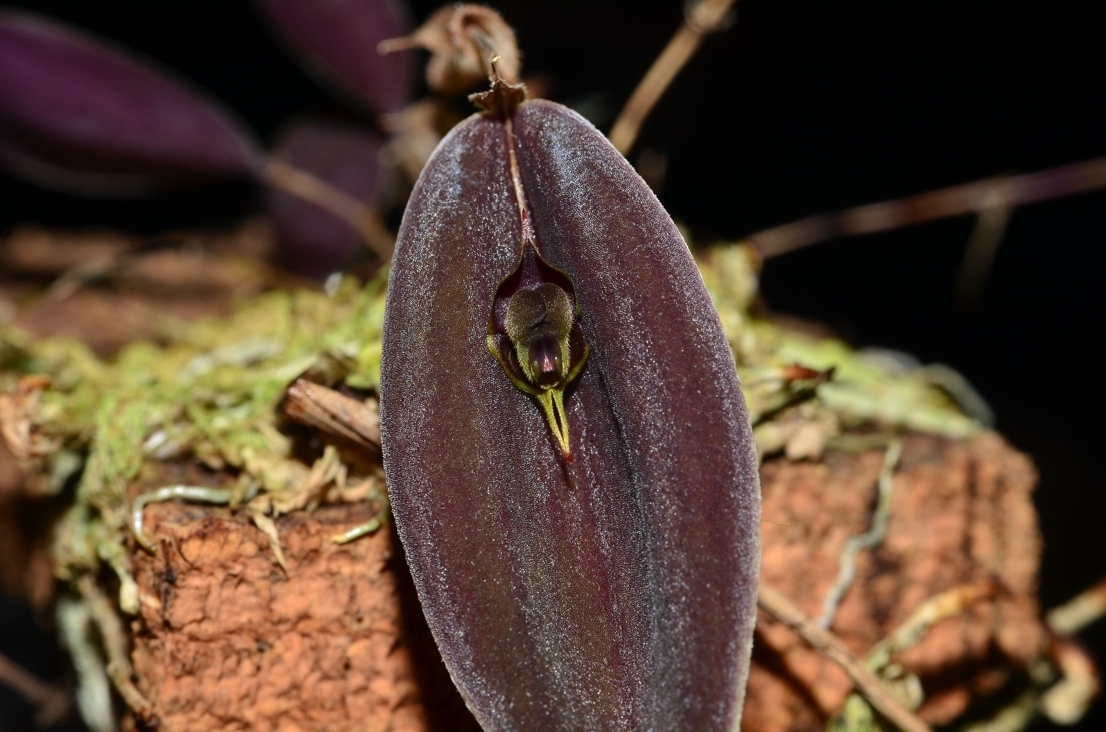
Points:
(705, 17)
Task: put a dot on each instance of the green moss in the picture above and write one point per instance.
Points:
(213, 394)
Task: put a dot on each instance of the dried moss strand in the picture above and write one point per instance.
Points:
(364, 529)
(703, 18)
(936, 609)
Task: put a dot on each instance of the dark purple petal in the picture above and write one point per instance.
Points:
(315, 241)
(79, 114)
(616, 590)
(338, 40)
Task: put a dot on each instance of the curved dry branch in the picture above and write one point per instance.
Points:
(882, 700)
(704, 18)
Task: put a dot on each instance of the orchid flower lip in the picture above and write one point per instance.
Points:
(534, 333)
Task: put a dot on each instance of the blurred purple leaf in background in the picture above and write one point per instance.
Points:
(339, 39)
(345, 155)
(80, 115)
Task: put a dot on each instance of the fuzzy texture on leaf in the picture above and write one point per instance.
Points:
(78, 114)
(347, 156)
(615, 591)
(338, 39)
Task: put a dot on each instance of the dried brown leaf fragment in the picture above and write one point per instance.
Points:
(463, 40)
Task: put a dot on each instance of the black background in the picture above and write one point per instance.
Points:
(798, 108)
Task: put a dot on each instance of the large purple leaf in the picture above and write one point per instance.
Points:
(338, 39)
(345, 155)
(79, 114)
(613, 589)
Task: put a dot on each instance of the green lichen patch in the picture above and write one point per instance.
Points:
(212, 394)
(806, 393)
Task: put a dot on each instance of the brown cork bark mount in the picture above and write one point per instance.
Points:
(227, 640)
(961, 514)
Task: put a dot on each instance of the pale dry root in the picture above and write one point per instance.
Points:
(226, 640)
(961, 514)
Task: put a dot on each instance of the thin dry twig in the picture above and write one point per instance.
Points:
(703, 18)
(331, 411)
(362, 218)
(882, 700)
(1066, 180)
(51, 701)
(979, 255)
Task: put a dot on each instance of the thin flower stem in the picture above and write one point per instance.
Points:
(362, 218)
(974, 197)
(700, 20)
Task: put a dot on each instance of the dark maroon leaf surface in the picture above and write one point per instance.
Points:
(315, 241)
(78, 114)
(338, 39)
(615, 590)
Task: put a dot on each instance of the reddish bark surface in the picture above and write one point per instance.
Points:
(961, 514)
(226, 640)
